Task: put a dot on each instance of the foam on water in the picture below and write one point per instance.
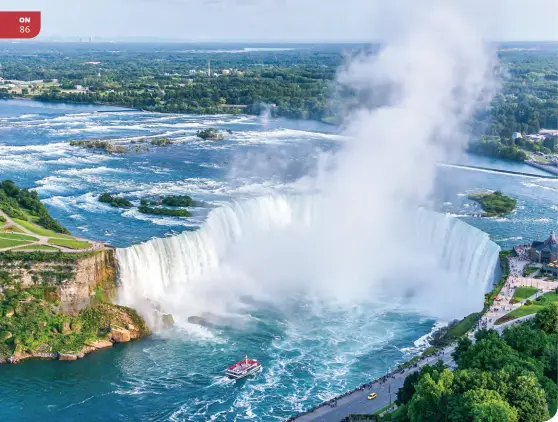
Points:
(203, 271)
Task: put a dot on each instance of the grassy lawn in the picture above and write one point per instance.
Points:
(532, 308)
(36, 247)
(530, 269)
(7, 243)
(39, 230)
(466, 324)
(11, 229)
(70, 243)
(539, 159)
(17, 236)
(523, 292)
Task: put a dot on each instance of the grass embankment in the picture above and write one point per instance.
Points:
(457, 329)
(33, 228)
(9, 243)
(530, 307)
(523, 292)
(530, 269)
(17, 236)
(37, 248)
(494, 204)
(40, 256)
(11, 229)
(70, 243)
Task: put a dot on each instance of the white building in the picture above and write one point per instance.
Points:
(535, 138)
(548, 132)
(516, 135)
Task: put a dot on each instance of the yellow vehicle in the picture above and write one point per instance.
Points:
(372, 396)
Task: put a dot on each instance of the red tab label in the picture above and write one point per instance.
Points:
(20, 24)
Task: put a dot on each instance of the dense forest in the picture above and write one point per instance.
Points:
(25, 204)
(509, 377)
(296, 82)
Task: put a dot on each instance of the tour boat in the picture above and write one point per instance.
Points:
(244, 368)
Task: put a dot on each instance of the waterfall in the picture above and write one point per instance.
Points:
(275, 246)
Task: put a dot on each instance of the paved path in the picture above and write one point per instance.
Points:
(357, 402)
(514, 280)
(43, 240)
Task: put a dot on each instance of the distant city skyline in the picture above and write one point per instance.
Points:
(275, 20)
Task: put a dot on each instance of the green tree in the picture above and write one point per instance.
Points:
(530, 400)
(430, 401)
(551, 142)
(482, 405)
(494, 411)
(525, 340)
(547, 318)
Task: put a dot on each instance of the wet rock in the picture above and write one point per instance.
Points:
(120, 335)
(99, 344)
(67, 356)
(168, 320)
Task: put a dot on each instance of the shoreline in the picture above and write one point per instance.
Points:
(69, 356)
(131, 109)
(430, 353)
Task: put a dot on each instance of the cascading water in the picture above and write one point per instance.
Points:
(271, 248)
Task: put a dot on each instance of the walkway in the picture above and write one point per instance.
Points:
(44, 240)
(514, 280)
(357, 401)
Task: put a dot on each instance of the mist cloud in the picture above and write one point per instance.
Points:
(361, 237)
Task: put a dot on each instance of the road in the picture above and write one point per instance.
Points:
(358, 403)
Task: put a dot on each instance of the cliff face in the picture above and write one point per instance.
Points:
(93, 274)
(59, 306)
(76, 281)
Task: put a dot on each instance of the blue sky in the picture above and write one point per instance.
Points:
(276, 20)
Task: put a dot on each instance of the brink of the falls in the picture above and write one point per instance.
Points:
(273, 248)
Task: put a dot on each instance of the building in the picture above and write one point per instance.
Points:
(548, 132)
(552, 267)
(535, 138)
(516, 135)
(546, 251)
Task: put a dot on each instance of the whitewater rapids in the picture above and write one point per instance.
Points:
(273, 248)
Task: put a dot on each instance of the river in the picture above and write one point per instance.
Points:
(311, 350)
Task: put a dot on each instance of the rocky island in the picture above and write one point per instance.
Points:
(210, 134)
(120, 146)
(176, 202)
(56, 291)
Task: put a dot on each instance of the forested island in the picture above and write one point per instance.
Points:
(494, 204)
(176, 202)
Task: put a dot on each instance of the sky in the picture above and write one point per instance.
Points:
(276, 20)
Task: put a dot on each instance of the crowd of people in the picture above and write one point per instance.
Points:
(522, 252)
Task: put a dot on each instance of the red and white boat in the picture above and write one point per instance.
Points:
(243, 368)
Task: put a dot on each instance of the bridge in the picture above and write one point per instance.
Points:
(493, 170)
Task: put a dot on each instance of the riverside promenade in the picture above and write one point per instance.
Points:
(356, 401)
